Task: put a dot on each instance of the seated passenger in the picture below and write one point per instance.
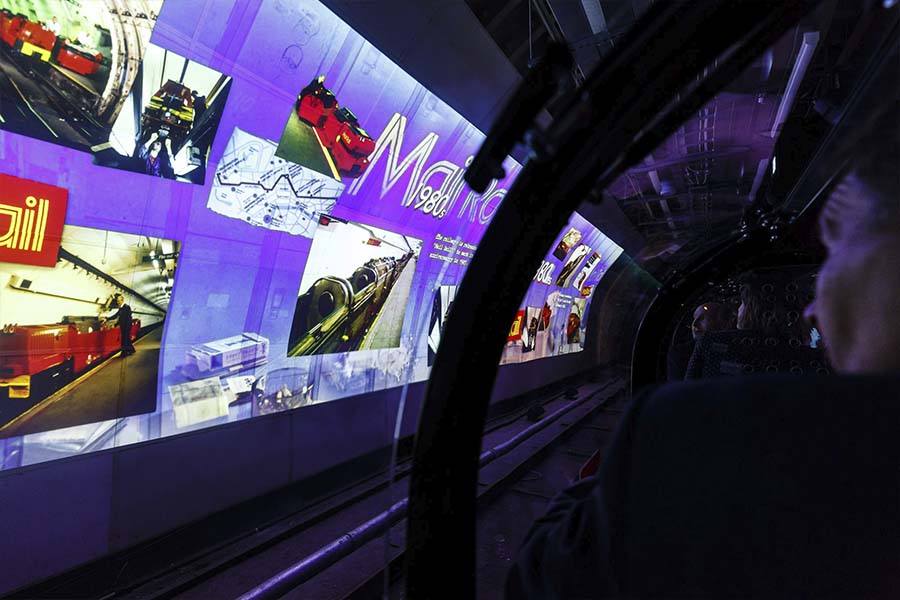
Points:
(750, 314)
(773, 486)
(751, 320)
(711, 316)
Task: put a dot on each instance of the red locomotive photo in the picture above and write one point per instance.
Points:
(78, 59)
(316, 103)
(79, 340)
(54, 355)
(325, 136)
(35, 39)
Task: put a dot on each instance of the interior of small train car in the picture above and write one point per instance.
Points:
(335, 299)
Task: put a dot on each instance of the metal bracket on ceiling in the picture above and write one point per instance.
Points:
(518, 117)
(554, 30)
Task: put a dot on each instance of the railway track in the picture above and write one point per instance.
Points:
(61, 108)
(189, 564)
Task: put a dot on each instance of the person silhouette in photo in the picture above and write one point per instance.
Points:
(123, 322)
(199, 104)
(157, 156)
(54, 25)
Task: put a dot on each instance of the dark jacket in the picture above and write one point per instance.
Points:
(772, 486)
(123, 317)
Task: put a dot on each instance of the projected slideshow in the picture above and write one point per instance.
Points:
(181, 104)
(98, 311)
(326, 221)
(553, 319)
(355, 289)
(67, 67)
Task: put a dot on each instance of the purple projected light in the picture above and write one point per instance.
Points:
(553, 316)
(388, 158)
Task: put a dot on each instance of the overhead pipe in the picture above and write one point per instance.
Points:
(301, 572)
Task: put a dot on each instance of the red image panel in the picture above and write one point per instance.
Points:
(32, 216)
(515, 331)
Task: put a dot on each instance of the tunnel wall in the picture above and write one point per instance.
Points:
(107, 501)
(67, 512)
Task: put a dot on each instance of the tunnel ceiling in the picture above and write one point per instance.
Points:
(699, 184)
(127, 259)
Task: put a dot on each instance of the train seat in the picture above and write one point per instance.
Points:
(737, 352)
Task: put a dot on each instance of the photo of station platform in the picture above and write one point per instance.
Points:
(120, 386)
(80, 341)
(355, 289)
(385, 330)
(66, 69)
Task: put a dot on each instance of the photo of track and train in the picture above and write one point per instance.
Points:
(66, 67)
(80, 341)
(177, 105)
(355, 289)
(325, 136)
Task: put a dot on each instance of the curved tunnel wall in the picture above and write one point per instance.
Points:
(70, 511)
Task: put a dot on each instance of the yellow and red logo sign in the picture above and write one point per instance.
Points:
(32, 216)
(515, 332)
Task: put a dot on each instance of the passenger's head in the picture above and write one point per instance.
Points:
(857, 289)
(750, 312)
(155, 148)
(120, 299)
(711, 316)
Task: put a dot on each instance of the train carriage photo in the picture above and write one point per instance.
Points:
(66, 68)
(63, 359)
(354, 291)
(29, 38)
(324, 135)
(44, 358)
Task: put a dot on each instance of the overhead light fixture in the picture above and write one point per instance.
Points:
(889, 3)
(758, 179)
(807, 48)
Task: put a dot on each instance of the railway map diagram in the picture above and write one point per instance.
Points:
(255, 186)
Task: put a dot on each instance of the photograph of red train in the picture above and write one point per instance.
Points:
(66, 68)
(178, 104)
(79, 342)
(355, 289)
(325, 136)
